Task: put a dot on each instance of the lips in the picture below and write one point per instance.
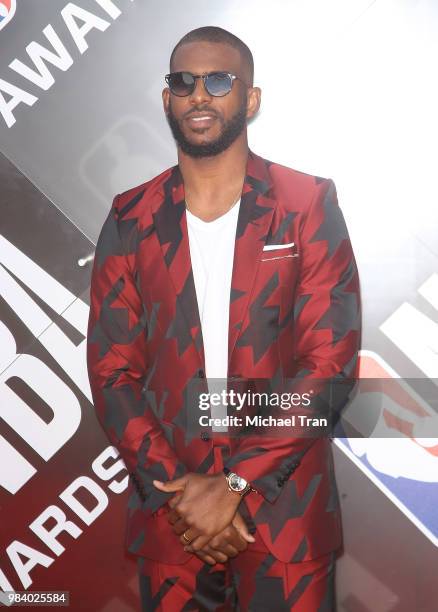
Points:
(201, 119)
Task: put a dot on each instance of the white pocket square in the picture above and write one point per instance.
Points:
(274, 247)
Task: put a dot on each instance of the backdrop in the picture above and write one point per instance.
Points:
(348, 92)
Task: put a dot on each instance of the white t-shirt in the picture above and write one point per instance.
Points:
(212, 254)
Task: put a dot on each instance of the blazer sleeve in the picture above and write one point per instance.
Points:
(117, 362)
(327, 336)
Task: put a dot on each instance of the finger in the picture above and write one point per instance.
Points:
(230, 550)
(206, 557)
(236, 540)
(240, 544)
(180, 527)
(173, 516)
(191, 534)
(174, 500)
(225, 548)
(170, 486)
(197, 542)
(228, 542)
(241, 527)
(218, 555)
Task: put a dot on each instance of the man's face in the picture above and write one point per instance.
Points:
(204, 125)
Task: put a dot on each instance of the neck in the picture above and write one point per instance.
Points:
(206, 178)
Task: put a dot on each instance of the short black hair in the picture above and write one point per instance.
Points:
(214, 34)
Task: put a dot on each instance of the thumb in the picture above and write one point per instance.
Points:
(241, 527)
(171, 485)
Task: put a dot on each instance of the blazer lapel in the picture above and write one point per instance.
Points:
(255, 217)
(171, 226)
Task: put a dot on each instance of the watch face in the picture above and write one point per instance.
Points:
(237, 483)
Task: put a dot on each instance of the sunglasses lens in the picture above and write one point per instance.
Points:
(218, 84)
(181, 83)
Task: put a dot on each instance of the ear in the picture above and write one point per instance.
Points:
(165, 94)
(254, 100)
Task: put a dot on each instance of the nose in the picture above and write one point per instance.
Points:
(199, 94)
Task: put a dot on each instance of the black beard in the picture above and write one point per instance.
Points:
(230, 131)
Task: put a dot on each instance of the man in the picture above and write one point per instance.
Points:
(224, 266)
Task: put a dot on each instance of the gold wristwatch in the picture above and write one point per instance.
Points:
(236, 483)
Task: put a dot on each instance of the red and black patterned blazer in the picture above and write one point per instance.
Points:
(295, 316)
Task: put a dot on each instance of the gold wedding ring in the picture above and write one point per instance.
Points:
(185, 537)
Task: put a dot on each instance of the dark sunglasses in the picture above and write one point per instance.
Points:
(216, 83)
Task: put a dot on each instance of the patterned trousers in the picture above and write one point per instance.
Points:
(253, 581)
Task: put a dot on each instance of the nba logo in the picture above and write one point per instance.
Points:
(7, 11)
(399, 452)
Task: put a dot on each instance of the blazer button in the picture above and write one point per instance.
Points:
(205, 436)
(280, 482)
(201, 374)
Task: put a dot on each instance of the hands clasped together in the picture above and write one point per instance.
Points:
(204, 513)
